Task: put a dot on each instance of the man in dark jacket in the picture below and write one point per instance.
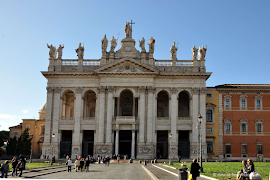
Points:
(14, 166)
(87, 163)
(194, 170)
(81, 164)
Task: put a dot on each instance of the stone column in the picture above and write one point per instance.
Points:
(109, 115)
(101, 114)
(174, 114)
(56, 118)
(194, 140)
(76, 143)
(150, 115)
(203, 124)
(48, 122)
(133, 145)
(118, 106)
(117, 142)
(142, 114)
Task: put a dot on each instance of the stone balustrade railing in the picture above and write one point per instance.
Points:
(184, 118)
(88, 118)
(163, 118)
(67, 118)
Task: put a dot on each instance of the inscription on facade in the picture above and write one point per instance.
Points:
(126, 80)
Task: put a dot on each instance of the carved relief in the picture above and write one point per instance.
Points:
(174, 90)
(142, 89)
(145, 150)
(57, 89)
(202, 90)
(78, 90)
(195, 90)
(110, 88)
(101, 89)
(49, 89)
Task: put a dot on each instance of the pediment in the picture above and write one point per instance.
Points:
(126, 66)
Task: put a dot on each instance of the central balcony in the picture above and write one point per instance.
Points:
(125, 119)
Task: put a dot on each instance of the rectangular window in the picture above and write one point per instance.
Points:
(15, 133)
(259, 127)
(227, 127)
(243, 128)
(209, 95)
(209, 116)
(227, 103)
(260, 149)
(258, 103)
(228, 149)
(243, 103)
(209, 147)
(244, 149)
(209, 130)
(42, 129)
(28, 126)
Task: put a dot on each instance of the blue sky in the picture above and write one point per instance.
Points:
(237, 35)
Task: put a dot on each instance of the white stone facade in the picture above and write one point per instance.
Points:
(127, 99)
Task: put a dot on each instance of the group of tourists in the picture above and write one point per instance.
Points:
(17, 165)
(248, 168)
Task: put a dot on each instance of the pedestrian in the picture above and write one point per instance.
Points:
(108, 161)
(87, 163)
(21, 164)
(69, 163)
(81, 164)
(5, 169)
(104, 161)
(67, 157)
(98, 159)
(118, 158)
(194, 169)
(14, 166)
(77, 165)
(179, 159)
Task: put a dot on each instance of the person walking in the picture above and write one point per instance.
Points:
(118, 158)
(108, 161)
(81, 164)
(21, 164)
(77, 165)
(14, 166)
(69, 163)
(5, 169)
(87, 163)
(98, 159)
(179, 159)
(194, 170)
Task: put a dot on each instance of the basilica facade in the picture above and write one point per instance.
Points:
(126, 102)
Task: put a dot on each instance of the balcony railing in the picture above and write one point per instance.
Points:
(129, 119)
(89, 118)
(184, 118)
(67, 118)
(163, 118)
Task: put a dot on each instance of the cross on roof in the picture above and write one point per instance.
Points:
(131, 25)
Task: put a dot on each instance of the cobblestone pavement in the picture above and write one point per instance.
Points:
(99, 171)
(165, 173)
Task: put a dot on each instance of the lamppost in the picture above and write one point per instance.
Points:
(170, 135)
(200, 135)
(52, 148)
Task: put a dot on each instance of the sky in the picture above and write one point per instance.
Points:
(237, 35)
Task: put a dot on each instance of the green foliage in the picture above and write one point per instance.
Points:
(228, 170)
(36, 165)
(20, 146)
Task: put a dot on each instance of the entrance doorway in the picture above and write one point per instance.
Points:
(183, 144)
(88, 143)
(162, 144)
(125, 139)
(66, 144)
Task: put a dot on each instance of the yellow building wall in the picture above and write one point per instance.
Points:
(36, 130)
(214, 100)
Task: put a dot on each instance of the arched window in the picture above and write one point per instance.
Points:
(209, 117)
(183, 104)
(162, 104)
(68, 104)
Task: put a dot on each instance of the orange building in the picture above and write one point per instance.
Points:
(15, 131)
(246, 121)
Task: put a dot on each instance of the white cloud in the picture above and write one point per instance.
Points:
(7, 120)
(25, 111)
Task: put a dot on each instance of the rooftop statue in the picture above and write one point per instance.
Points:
(142, 44)
(80, 51)
(59, 50)
(128, 30)
(113, 43)
(173, 51)
(151, 45)
(194, 52)
(202, 53)
(52, 51)
(104, 43)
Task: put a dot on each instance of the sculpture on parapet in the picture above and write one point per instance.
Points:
(80, 51)
(151, 45)
(202, 53)
(52, 51)
(173, 51)
(113, 43)
(128, 30)
(104, 43)
(194, 52)
(60, 50)
(142, 44)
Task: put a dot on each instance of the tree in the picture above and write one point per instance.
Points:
(24, 143)
(12, 146)
(4, 135)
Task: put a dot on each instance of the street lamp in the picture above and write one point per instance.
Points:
(200, 135)
(52, 147)
(31, 148)
(170, 135)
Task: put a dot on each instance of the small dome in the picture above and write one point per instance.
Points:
(43, 107)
